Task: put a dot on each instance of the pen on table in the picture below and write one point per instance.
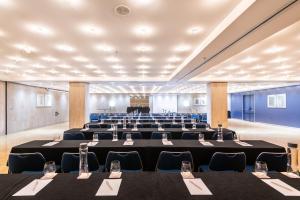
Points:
(195, 185)
(281, 186)
(107, 183)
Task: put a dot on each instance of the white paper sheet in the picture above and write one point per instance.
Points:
(84, 176)
(134, 129)
(290, 174)
(196, 187)
(48, 176)
(33, 187)
(128, 143)
(260, 175)
(161, 129)
(282, 187)
(91, 144)
(167, 142)
(206, 143)
(185, 129)
(187, 175)
(84, 129)
(49, 144)
(245, 144)
(109, 187)
(115, 175)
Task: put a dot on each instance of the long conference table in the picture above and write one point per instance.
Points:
(150, 186)
(149, 150)
(146, 132)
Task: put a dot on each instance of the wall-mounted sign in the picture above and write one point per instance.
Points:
(277, 101)
(43, 100)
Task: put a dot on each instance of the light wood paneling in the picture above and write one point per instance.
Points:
(78, 100)
(139, 101)
(217, 104)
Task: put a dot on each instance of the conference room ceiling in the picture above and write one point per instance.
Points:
(273, 59)
(89, 40)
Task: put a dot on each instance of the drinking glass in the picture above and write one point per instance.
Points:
(159, 126)
(49, 167)
(236, 137)
(183, 126)
(135, 126)
(87, 126)
(164, 137)
(186, 167)
(261, 167)
(194, 126)
(201, 137)
(95, 137)
(128, 137)
(115, 166)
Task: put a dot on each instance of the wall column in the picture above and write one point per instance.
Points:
(217, 104)
(78, 104)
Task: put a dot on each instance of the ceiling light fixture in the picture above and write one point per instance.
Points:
(194, 30)
(65, 47)
(143, 30)
(104, 47)
(91, 29)
(40, 29)
(81, 59)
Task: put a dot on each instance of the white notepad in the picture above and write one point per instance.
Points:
(245, 144)
(33, 187)
(196, 187)
(161, 129)
(91, 144)
(84, 176)
(49, 176)
(206, 143)
(290, 174)
(49, 144)
(115, 175)
(260, 175)
(84, 129)
(187, 175)
(109, 187)
(128, 143)
(282, 187)
(185, 129)
(167, 142)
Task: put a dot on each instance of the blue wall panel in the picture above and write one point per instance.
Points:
(289, 116)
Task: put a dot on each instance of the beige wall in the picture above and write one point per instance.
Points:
(23, 114)
(2, 108)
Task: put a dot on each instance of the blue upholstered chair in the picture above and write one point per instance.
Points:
(94, 117)
(188, 125)
(166, 125)
(105, 135)
(176, 125)
(171, 161)
(129, 161)
(134, 135)
(227, 162)
(73, 136)
(201, 125)
(275, 161)
(154, 125)
(70, 162)
(26, 163)
(190, 136)
(94, 126)
(226, 136)
(147, 125)
(158, 135)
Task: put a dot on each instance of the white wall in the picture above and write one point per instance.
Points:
(23, 114)
(115, 103)
(186, 104)
(2, 108)
(166, 102)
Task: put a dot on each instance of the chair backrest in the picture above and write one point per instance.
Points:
(200, 125)
(129, 161)
(171, 161)
(228, 162)
(158, 135)
(154, 125)
(25, 162)
(70, 162)
(188, 125)
(226, 136)
(105, 136)
(176, 125)
(146, 125)
(94, 126)
(166, 125)
(275, 161)
(134, 135)
(94, 117)
(190, 136)
(73, 136)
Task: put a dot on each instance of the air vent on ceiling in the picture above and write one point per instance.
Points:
(122, 10)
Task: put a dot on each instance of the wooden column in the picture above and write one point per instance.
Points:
(78, 109)
(217, 104)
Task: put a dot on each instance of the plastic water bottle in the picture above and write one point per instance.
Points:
(83, 158)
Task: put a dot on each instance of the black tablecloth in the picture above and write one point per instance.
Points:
(150, 186)
(149, 149)
(146, 132)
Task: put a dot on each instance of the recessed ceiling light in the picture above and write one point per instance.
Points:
(143, 30)
(112, 59)
(39, 29)
(49, 59)
(279, 60)
(232, 67)
(91, 29)
(142, 2)
(75, 71)
(2, 34)
(144, 59)
(258, 67)
(65, 47)
(288, 72)
(165, 72)
(30, 71)
(81, 59)
(98, 72)
(117, 67)
(182, 48)
(52, 71)
(173, 59)
(263, 72)
(64, 66)
(91, 66)
(143, 72)
(249, 59)
(194, 30)
(242, 72)
(17, 58)
(144, 48)
(274, 49)
(11, 66)
(121, 72)
(38, 66)
(284, 67)
(104, 47)
(70, 3)
(6, 3)
(170, 67)
(143, 67)
(219, 72)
